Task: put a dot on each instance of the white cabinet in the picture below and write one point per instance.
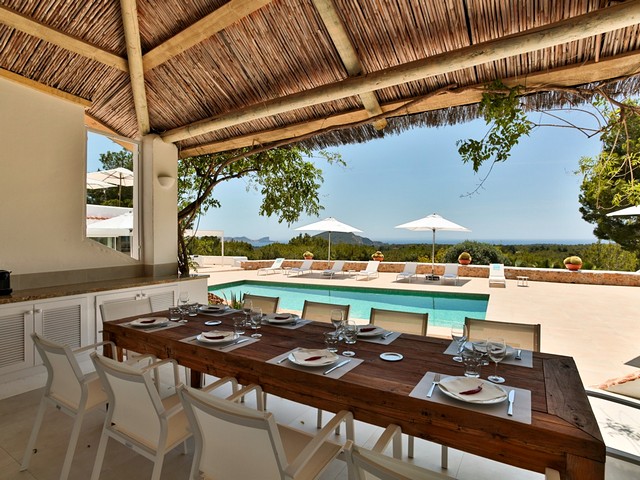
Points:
(58, 320)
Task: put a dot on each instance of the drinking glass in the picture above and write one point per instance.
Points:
(496, 349)
(183, 299)
(472, 360)
(331, 341)
(336, 319)
(459, 335)
(350, 333)
(256, 321)
(246, 308)
(480, 346)
(238, 326)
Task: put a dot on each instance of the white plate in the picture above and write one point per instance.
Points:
(510, 350)
(300, 356)
(391, 356)
(374, 332)
(216, 336)
(446, 386)
(213, 308)
(149, 322)
(280, 318)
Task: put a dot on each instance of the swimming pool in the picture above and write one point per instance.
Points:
(445, 309)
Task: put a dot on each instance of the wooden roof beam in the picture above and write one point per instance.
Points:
(41, 87)
(134, 54)
(204, 28)
(348, 55)
(593, 23)
(568, 76)
(56, 37)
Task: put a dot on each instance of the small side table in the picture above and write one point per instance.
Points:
(522, 281)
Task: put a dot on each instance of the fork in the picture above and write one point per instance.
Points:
(436, 381)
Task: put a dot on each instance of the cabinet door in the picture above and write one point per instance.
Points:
(161, 297)
(63, 321)
(16, 346)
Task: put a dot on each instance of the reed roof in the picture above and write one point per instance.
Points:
(216, 75)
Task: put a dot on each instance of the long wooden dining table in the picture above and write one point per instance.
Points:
(563, 433)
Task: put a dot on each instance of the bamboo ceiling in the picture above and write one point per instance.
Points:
(216, 75)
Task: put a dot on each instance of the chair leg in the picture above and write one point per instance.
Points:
(319, 419)
(410, 443)
(26, 458)
(444, 457)
(157, 466)
(73, 441)
(102, 447)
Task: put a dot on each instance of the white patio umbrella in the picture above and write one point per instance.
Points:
(635, 210)
(330, 224)
(433, 222)
(118, 226)
(120, 177)
(93, 184)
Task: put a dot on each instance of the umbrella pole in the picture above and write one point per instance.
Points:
(433, 252)
(329, 254)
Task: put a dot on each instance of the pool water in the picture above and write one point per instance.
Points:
(445, 309)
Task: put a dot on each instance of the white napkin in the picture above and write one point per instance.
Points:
(303, 354)
(456, 385)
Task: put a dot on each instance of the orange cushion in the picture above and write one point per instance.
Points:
(628, 385)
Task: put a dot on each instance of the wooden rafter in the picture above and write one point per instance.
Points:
(616, 67)
(134, 54)
(204, 28)
(348, 55)
(51, 35)
(27, 82)
(576, 28)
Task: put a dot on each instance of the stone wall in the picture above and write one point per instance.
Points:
(592, 277)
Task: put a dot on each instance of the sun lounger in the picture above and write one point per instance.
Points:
(338, 265)
(370, 271)
(450, 273)
(302, 269)
(276, 267)
(408, 272)
(496, 274)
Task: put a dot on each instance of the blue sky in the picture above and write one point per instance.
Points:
(533, 196)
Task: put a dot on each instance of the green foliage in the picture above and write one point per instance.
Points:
(500, 107)
(482, 253)
(610, 180)
(610, 256)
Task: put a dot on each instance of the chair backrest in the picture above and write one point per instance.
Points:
(338, 265)
(277, 263)
(306, 265)
(135, 409)
(366, 464)
(267, 304)
(321, 312)
(410, 267)
(65, 380)
(496, 270)
(127, 308)
(451, 269)
(396, 321)
(517, 335)
(225, 432)
(372, 266)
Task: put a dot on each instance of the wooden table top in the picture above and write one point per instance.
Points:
(563, 433)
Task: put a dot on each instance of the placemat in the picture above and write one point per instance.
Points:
(521, 405)
(166, 326)
(527, 356)
(289, 326)
(219, 314)
(380, 340)
(337, 373)
(223, 348)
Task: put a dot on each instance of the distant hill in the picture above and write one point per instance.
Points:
(261, 242)
(350, 238)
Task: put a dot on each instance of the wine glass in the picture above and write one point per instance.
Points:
(336, 319)
(459, 335)
(256, 321)
(481, 347)
(183, 299)
(247, 305)
(496, 349)
(350, 332)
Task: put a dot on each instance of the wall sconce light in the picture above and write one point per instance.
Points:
(166, 181)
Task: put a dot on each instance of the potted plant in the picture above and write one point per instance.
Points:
(308, 255)
(464, 258)
(573, 263)
(378, 255)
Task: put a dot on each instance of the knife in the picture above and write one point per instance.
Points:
(387, 334)
(242, 340)
(342, 363)
(512, 397)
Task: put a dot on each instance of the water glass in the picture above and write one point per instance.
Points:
(174, 314)
(193, 309)
(256, 322)
(239, 326)
(480, 346)
(331, 341)
(459, 335)
(350, 334)
(472, 361)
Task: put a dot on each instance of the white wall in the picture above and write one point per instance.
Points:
(42, 186)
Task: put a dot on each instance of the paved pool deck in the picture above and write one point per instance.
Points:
(596, 325)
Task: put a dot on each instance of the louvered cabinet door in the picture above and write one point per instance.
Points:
(63, 321)
(16, 346)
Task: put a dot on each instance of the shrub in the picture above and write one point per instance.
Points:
(482, 253)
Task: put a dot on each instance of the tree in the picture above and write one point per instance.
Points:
(610, 180)
(481, 253)
(288, 182)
